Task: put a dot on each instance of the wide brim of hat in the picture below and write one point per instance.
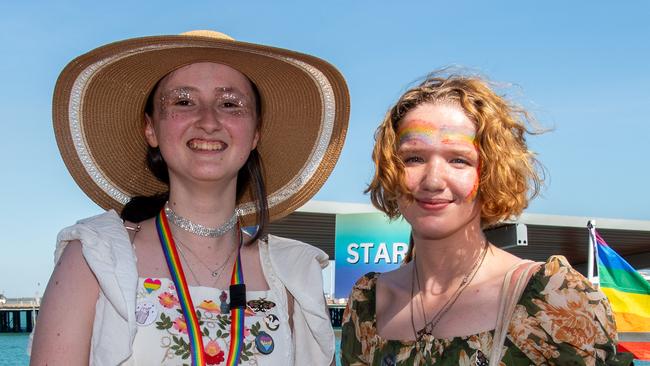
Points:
(99, 102)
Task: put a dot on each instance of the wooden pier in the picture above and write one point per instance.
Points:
(18, 315)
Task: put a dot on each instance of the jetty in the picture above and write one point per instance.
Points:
(18, 315)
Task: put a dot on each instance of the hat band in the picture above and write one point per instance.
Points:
(299, 181)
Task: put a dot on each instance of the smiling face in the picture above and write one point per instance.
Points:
(441, 169)
(204, 121)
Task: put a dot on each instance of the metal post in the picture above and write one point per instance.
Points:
(28, 318)
(591, 225)
(3, 321)
(33, 312)
(16, 321)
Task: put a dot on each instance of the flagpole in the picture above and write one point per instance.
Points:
(591, 225)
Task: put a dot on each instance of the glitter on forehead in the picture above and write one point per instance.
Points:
(226, 89)
(314, 160)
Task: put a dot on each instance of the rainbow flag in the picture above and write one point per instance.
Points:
(629, 294)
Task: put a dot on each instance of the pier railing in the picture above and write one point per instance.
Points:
(20, 305)
(19, 315)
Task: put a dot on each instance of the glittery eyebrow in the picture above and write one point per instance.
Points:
(184, 92)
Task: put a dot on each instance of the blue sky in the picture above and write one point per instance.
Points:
(581, 67)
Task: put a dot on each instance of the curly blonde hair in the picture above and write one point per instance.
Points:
(509, 173)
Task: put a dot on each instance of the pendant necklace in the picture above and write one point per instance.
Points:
(216, 273)
(430, 325)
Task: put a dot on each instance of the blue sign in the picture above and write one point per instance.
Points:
(367, 242)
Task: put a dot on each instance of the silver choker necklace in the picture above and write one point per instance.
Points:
(198, 229)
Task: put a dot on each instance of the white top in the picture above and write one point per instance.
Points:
(295, 266)
(162, 338)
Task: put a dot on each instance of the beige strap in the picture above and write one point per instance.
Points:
(510, 294)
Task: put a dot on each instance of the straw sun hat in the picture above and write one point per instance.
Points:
(100, 97)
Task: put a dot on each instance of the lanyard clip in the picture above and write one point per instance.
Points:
(238, 296)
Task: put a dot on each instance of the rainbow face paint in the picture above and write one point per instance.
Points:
(417, 131)
(457, 138)
(426, 133)
(474, 192)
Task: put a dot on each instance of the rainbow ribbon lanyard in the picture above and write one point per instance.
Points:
(237, 298)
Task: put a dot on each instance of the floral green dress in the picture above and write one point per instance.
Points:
(560, 319)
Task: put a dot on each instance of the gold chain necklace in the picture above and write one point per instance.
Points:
(430, 325)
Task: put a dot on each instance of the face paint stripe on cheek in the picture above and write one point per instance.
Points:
(474, 192)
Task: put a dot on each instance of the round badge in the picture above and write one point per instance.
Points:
(264, 343)
(145, 313)
(272, 322)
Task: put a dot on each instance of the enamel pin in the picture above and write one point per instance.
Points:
(272, 322)
(264, 343)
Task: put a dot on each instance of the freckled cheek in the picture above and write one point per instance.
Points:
(168, 133)
(172, 117)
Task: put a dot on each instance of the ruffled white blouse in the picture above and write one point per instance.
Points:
(288, 265)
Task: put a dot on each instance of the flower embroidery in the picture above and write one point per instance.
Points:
(210, 306)
(167, 300)
(213, 325)
(214, 355)
(180, 325)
